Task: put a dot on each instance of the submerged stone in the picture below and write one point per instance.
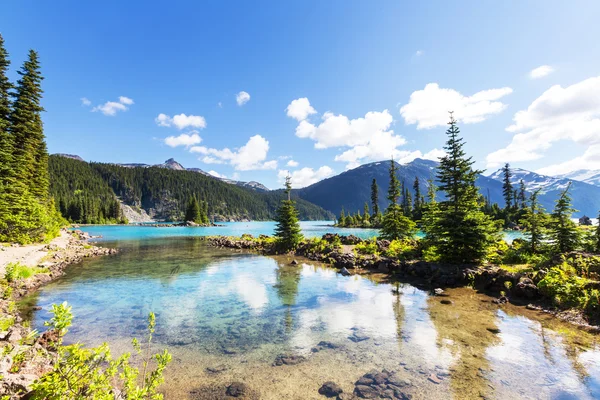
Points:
(236, 389)
(330, 389)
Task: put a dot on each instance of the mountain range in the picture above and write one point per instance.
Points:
(352, 189)
(175, 166)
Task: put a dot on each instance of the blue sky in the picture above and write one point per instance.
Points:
(151, 71)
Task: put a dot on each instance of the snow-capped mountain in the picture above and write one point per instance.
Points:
(584, 175)
(586, 196)
(533, 181)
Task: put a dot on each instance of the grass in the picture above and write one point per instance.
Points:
(6, 323)
(17, 271)
(517, 268)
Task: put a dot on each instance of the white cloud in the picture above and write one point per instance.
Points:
(570, 113)
(111, 108)
(181, 121)
(419, 53)
(125, 100)
(251, 156)
(590, 159)
(541, 71)
(185, 139)
(368, 139)
(428, 108)
(305, 176)
(220, 105)
(292, 163)
(85, 102)
(242, 98)
(300, 109)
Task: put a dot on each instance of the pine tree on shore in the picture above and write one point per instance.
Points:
(374, 198)
(395, 224)
(564, 231)
(535, 221)
(30, 153)
(287, 231)
(7, 173)
(366, 217)
(461, 232)
(418, 202)
(507, 188)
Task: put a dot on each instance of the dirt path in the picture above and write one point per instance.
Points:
(31, 255)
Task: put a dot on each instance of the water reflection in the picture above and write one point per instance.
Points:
(213, 305)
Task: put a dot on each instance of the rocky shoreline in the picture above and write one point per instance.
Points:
(519, 288)
(25, 357)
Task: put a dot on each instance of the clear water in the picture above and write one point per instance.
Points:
(309, 228)
(217, 307)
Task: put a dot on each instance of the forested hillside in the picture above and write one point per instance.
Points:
(163, 193)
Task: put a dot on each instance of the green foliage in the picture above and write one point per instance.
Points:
(375, 197)
(197, 211)
(403, 249)
(563, 231)
(287, 231)
(92, 373)
(367, 247)
(507, 188)
(566, 288)
(457, 227)
(395, 225)
(16, 271)
(61, 318)
(535, 221)
(320, 246)
(6, 322)
(27, 213)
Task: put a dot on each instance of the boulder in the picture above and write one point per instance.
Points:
(344, 272)
(330, 389)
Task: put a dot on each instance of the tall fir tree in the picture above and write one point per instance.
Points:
(395, 225)
(418, 202)
(366, 218)
(6, 144)
(507, 187)
(375, 197)
(8, 197)
(461, 232)
(30, 153)
(563, 230)
(287, 230)
(535, 221)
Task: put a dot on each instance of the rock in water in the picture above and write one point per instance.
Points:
(330, 389)
(345, 272)
(294, 262)
(438, 291)
(236, 389)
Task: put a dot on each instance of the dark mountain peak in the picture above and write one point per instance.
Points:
(73, 156)
(423, 162)
(172, 164)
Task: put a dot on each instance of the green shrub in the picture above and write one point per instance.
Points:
(81, 373)
(16, 271)
(403, 249)
(367, 247)
(565, 287)
(431, 254)
(6, 322)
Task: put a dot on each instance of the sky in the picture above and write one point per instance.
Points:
(258, 90)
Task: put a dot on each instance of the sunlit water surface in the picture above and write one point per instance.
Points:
(220, 308)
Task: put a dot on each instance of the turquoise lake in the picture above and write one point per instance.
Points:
(226, 315)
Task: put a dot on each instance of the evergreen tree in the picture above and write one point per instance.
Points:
(288, 231)
(564, 231)
(30, 153)
(6, 145)
(375, 197)
(407, 202)
(535, 221)
(395, 224)
(192, 212)
(507, 188)
(342, 220)
(418, 203)
(461, 232)
(366, 218)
